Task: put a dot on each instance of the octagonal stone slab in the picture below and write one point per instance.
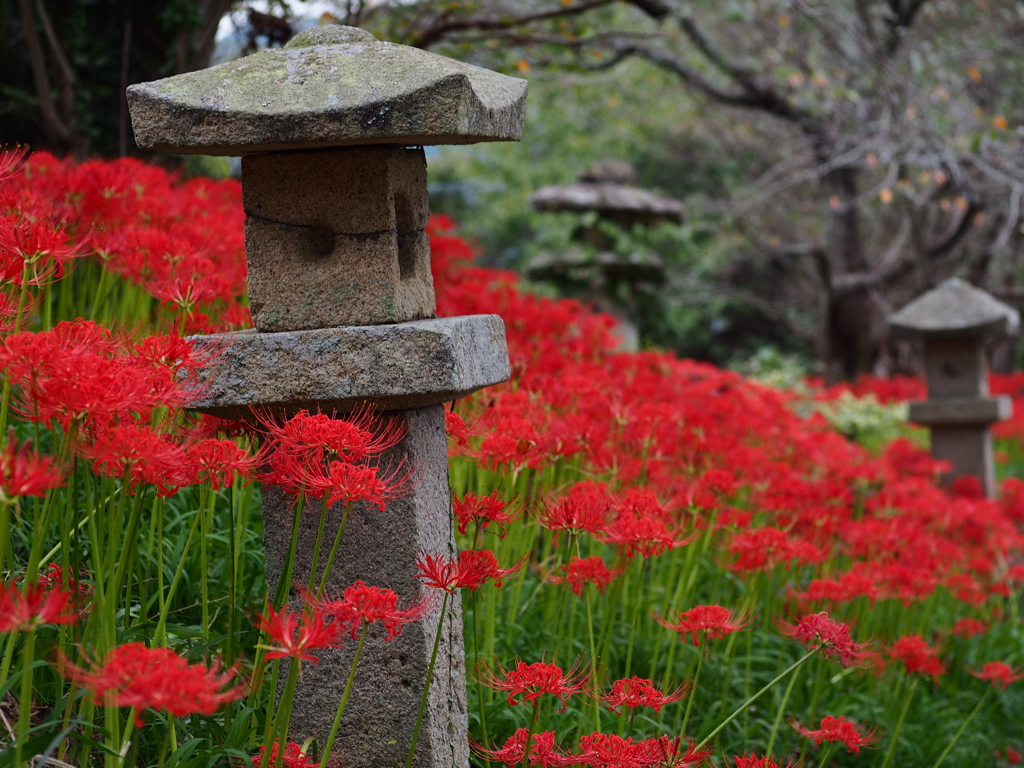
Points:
(335, 86)
(385, 367)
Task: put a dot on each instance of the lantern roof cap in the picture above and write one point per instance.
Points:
(955, 309)
(329, 86)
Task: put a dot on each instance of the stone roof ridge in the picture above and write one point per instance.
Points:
(608, 197)
(330, 86)
(955, 308)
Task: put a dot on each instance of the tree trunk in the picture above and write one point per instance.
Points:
(849, 340)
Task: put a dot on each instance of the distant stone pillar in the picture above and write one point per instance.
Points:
(334, 185)
(953, 321)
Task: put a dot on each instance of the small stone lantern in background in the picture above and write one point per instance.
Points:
(331, 130)
(953, 321)
(592, 271)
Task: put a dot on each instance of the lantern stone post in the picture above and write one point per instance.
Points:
(330, 129)
(953, 320)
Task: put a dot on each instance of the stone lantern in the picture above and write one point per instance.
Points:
(331, 130)
(953, 321)
(592, 271)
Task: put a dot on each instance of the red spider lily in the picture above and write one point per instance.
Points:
(831, 637)
(293, 756)
(531, 681)
(766, 548)
(999, 673)
(482, 511)
(472, 570)
(586, 570)
(647, 536)
(78, 588)
(34, 251)
(611, 751)
(133, 675)
(12, 161)
(295, 637)
(322, 437)
(140, 454)
(838, 729)
(917, 656)
(669, 752)
(712, 621)
(764, 761)
(361, 605)
(968, 628)
(81, 374)
(1013, 757)
(456, 429)
(22, 611)
(218, 462)
(346, 482)
(636, 692)
(23, 473)
(543, 751)
(582, 510)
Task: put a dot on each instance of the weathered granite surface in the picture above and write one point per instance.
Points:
(344, 230)
(388, 367)
(961, 411)
(329, 87)
(379, 548)
(955, 308)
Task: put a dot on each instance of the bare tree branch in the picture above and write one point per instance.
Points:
(444, 27)
(57, 127)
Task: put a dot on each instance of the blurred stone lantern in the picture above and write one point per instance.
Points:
(592, 271)
(954, 320)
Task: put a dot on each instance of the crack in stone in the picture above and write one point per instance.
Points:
(358, 236)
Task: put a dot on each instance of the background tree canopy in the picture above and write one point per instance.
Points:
(836, 157)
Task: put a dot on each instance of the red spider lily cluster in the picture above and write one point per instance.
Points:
(839, 729)
(181, 243)
(531, 681)
(601, 750)
(133, 675)
(917, 656)
(326, 623)
(831, 638)
(637, 692)
(712, 622)
(322, 457)
(683, 441)
(626, 462)
(472, 569)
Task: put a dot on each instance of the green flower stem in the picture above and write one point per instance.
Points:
(592, 675)
(824, 755)
(279, 728)
(553, 643)
(25, 697)
(963, 727)
(534, 722)
(908, 697)
(206, 497)
(782, 709)
(284, 585)
(126, 739)
(743, 707)
(334, 550)
(316, 545)
(475, 608)
(426, 686)
(693, 693)
(160, 633)
(636, 613)
(329, 745)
